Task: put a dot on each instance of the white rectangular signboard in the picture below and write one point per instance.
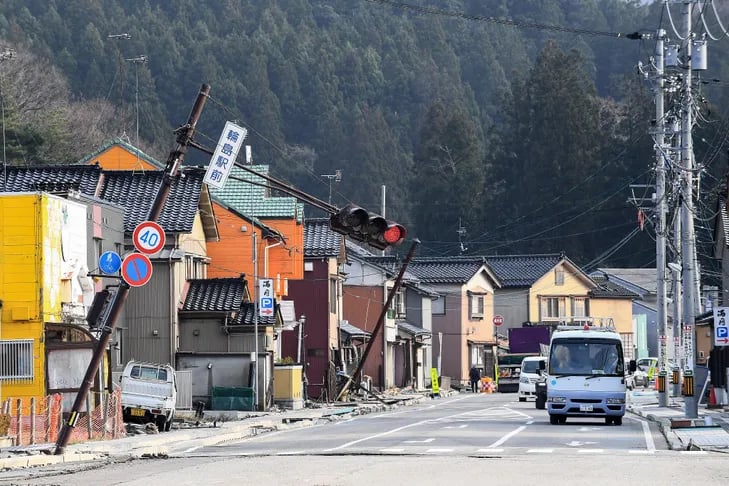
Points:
(225, 154)
(265, 297)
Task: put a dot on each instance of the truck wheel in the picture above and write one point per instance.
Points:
(608, 420)
(160, 422)
(618, 420)
(168, 424)
(553, 419)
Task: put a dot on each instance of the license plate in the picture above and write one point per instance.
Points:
(585, 408)
(139, 412)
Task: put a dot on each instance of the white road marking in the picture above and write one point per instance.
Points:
(577, 443)
(488, 450)
(649, 444)
(640, 451)
(694, 453)
(518, 412)
(429, 451)
(391, 450)
(590, 451)
(190, 449)
(530, 422)
(424, 441)
(540, 451)
(289, 453)
(463, 426)
(507, 436)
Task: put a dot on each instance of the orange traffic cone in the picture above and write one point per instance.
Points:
(712, 399)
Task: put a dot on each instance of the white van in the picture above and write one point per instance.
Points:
(529, 376)
(149, 393)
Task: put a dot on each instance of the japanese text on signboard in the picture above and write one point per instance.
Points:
(225, 154)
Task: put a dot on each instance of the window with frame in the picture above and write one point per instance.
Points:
(16, 359)
(552, 308)
(559, 276)
(398, 305)
(438, 306)
(476, 303)
(579, 307)
(332, 296)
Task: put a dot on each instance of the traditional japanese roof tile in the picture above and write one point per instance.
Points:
(607, 289)
(136, 191)
(320, 240)
(249, 197)
(445, 270)
(522, 270)
(53, 178)
(215, 294)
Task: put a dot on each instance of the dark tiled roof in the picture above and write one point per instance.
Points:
(247, 316)
(455, 270)
(136, 191)
(609, 289)
(53, 178)
(522, 270)
(214, 295)
(319, 239)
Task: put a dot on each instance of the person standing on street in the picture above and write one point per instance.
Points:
(475, 377)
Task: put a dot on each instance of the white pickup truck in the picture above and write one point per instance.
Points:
(149, 393)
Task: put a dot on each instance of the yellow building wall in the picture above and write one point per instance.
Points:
(30, 277)
(620, 310)
(194, 242)
(573, 286)
(119, 158)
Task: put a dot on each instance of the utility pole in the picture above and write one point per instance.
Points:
(688, 246)
(661, 210)
(124, 36)
(174, 160)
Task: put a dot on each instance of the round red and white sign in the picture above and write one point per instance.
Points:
(148, 237)
(498, 320)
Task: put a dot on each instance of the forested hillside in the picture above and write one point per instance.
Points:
(495, 116)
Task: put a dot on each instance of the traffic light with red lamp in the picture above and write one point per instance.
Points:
(367, 227)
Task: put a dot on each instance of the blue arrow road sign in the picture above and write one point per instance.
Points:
(110, 262)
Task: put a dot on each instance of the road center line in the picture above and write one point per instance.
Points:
(507, 436)
(398, 429)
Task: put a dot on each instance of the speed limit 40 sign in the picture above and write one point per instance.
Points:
(148, 237)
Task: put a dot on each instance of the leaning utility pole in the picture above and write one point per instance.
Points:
(688, 246)
(661, 211)
(174, 160)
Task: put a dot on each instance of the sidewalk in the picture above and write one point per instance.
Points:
(208, 433)
(710, 431)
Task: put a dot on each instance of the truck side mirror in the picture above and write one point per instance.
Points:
(542, 366)
(632, 366)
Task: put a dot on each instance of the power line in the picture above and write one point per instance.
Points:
(503, 21)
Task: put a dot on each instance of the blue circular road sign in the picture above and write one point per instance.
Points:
(110, 262)
(136, 269)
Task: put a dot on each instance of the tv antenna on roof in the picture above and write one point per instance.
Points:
(461, 235)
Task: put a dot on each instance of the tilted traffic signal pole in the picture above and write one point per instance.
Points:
(184, 137)
(381, 318)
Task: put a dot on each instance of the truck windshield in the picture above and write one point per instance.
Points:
(586, 357)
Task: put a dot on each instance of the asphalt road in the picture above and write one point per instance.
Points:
(476, 438)
(468, 425)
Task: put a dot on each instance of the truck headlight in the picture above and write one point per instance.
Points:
(615, 401)
(523, 379)
(557, 399)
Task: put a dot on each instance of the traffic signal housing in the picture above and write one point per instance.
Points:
(367, 227)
